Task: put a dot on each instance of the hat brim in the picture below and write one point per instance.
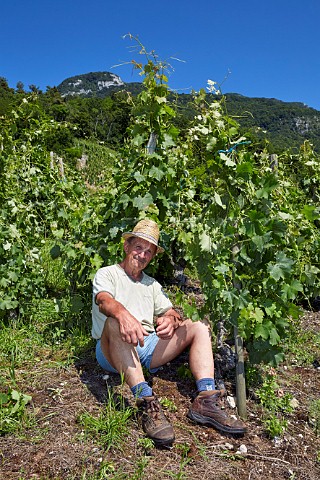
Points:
(149, 239)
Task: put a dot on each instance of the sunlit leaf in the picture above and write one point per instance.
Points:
(139, 178)
(311, 213)
(142, 202)
(218, 200)
(155, 172)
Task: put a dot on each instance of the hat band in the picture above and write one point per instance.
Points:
(146, 236)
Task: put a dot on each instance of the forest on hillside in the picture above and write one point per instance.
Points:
(104, 115)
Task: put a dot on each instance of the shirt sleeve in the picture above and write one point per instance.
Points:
(103, 282)
(161, 300)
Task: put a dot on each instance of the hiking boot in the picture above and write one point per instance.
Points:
(154, 423)
(208, 410)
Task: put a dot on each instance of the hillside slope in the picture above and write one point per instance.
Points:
(286, 125)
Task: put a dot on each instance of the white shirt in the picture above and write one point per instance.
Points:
(144, 299)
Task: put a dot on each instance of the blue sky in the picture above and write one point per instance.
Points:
(256, 48)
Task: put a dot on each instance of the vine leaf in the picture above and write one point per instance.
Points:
(142, 202)
(218, 200)
(156, 173)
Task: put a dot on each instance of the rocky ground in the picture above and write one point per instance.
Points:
(57, 446)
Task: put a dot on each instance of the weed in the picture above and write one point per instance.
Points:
(146, 444)
(13, 413)
(111, 426)
(42, 313)
(54, 277)
(253, 376)
(314, 416)
(18, 344)
(201, 450)
(168, 404)
(184, 371)
(272, 397)
(303, 345)
(184, 449)
(106, 468)
(141, 465)
(276, 404)
(181, 474)
(274, 425)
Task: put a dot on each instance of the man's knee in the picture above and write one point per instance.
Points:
(111, 327)
(110, 334)
(200, 327)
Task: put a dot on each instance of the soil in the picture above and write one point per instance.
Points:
(57, 446)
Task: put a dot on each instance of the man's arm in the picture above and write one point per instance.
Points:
(131, 330)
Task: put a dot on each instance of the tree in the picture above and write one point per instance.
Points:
(6, 96)
(20, 87)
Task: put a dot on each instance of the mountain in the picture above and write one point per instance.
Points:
(95, 84)
(284, 125)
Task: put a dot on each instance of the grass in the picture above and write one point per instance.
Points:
(19, 344)
(111, 427)
(314, 416)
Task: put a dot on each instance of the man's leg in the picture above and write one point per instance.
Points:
(124, 358)
(121, 355)
(206, 408)
(195, 335)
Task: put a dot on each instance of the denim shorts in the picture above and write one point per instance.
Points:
(145, 354)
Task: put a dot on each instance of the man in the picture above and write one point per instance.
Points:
(125, 303)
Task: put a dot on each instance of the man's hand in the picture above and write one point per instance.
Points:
(165, 327)
(131, 330)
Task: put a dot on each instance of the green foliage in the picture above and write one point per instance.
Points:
(98, 170)
(13, 415)
(146, 444)
(276, 405)
(54, 276)
(19, 344)
(184, 371)
(111, 427)
(314, 416)
(279, 125)
(37, 204)
(244, 243)
(245, 228)
(303, 345)
(183, 449)
(168, 404)
(271, 396)
(6, 96)
(274, 425)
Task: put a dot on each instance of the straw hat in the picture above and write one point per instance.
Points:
(148, 230)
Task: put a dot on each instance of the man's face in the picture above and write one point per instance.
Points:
(139, 253)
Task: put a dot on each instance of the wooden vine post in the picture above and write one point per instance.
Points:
(240, 372)
(240, 376)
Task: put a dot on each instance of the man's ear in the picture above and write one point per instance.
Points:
(126, 246)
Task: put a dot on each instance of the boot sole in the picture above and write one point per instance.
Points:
(203, 420)
(163, 443)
